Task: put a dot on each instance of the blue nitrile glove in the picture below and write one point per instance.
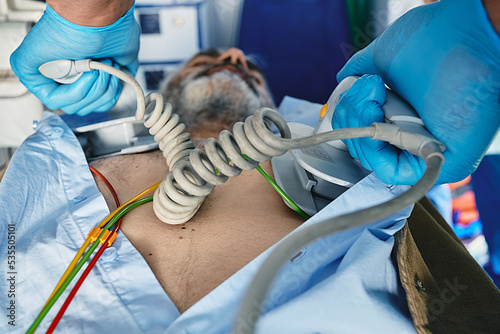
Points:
(361, 106)
(444, 59)
(54, 38)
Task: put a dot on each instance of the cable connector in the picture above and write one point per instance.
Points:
(412, 140)
(106, 235)
(65, 71)
(94, 233)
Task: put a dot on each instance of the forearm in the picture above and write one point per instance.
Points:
(493, 9)
(94, 13)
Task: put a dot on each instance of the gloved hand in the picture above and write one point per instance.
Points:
(54, 38)
(444, 59)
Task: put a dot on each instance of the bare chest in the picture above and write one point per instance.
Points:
(192, 259)
(237, 221)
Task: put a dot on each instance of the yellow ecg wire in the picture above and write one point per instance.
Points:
(88, 240)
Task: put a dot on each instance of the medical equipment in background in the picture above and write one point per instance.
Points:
(21, 10)
(18, 107)
(190, 25)
(194, 173)
(165, 23)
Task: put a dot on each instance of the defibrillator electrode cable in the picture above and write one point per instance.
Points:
(194, 173)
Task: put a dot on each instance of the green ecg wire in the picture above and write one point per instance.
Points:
(82, 261)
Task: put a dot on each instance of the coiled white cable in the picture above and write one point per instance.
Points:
(193, 172)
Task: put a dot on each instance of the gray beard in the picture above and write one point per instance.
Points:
(222, 98)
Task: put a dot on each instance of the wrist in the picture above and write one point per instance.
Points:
(493, 9)
(91, 13)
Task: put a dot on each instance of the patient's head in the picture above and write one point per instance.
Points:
(216, 89)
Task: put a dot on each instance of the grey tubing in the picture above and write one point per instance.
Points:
(249, 312)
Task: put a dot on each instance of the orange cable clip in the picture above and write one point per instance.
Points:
(94, 233)
(105, 236)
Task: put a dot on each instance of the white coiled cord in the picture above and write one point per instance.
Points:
(190, 180)
(194, 173)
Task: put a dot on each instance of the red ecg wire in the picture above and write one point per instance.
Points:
(94, 259)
